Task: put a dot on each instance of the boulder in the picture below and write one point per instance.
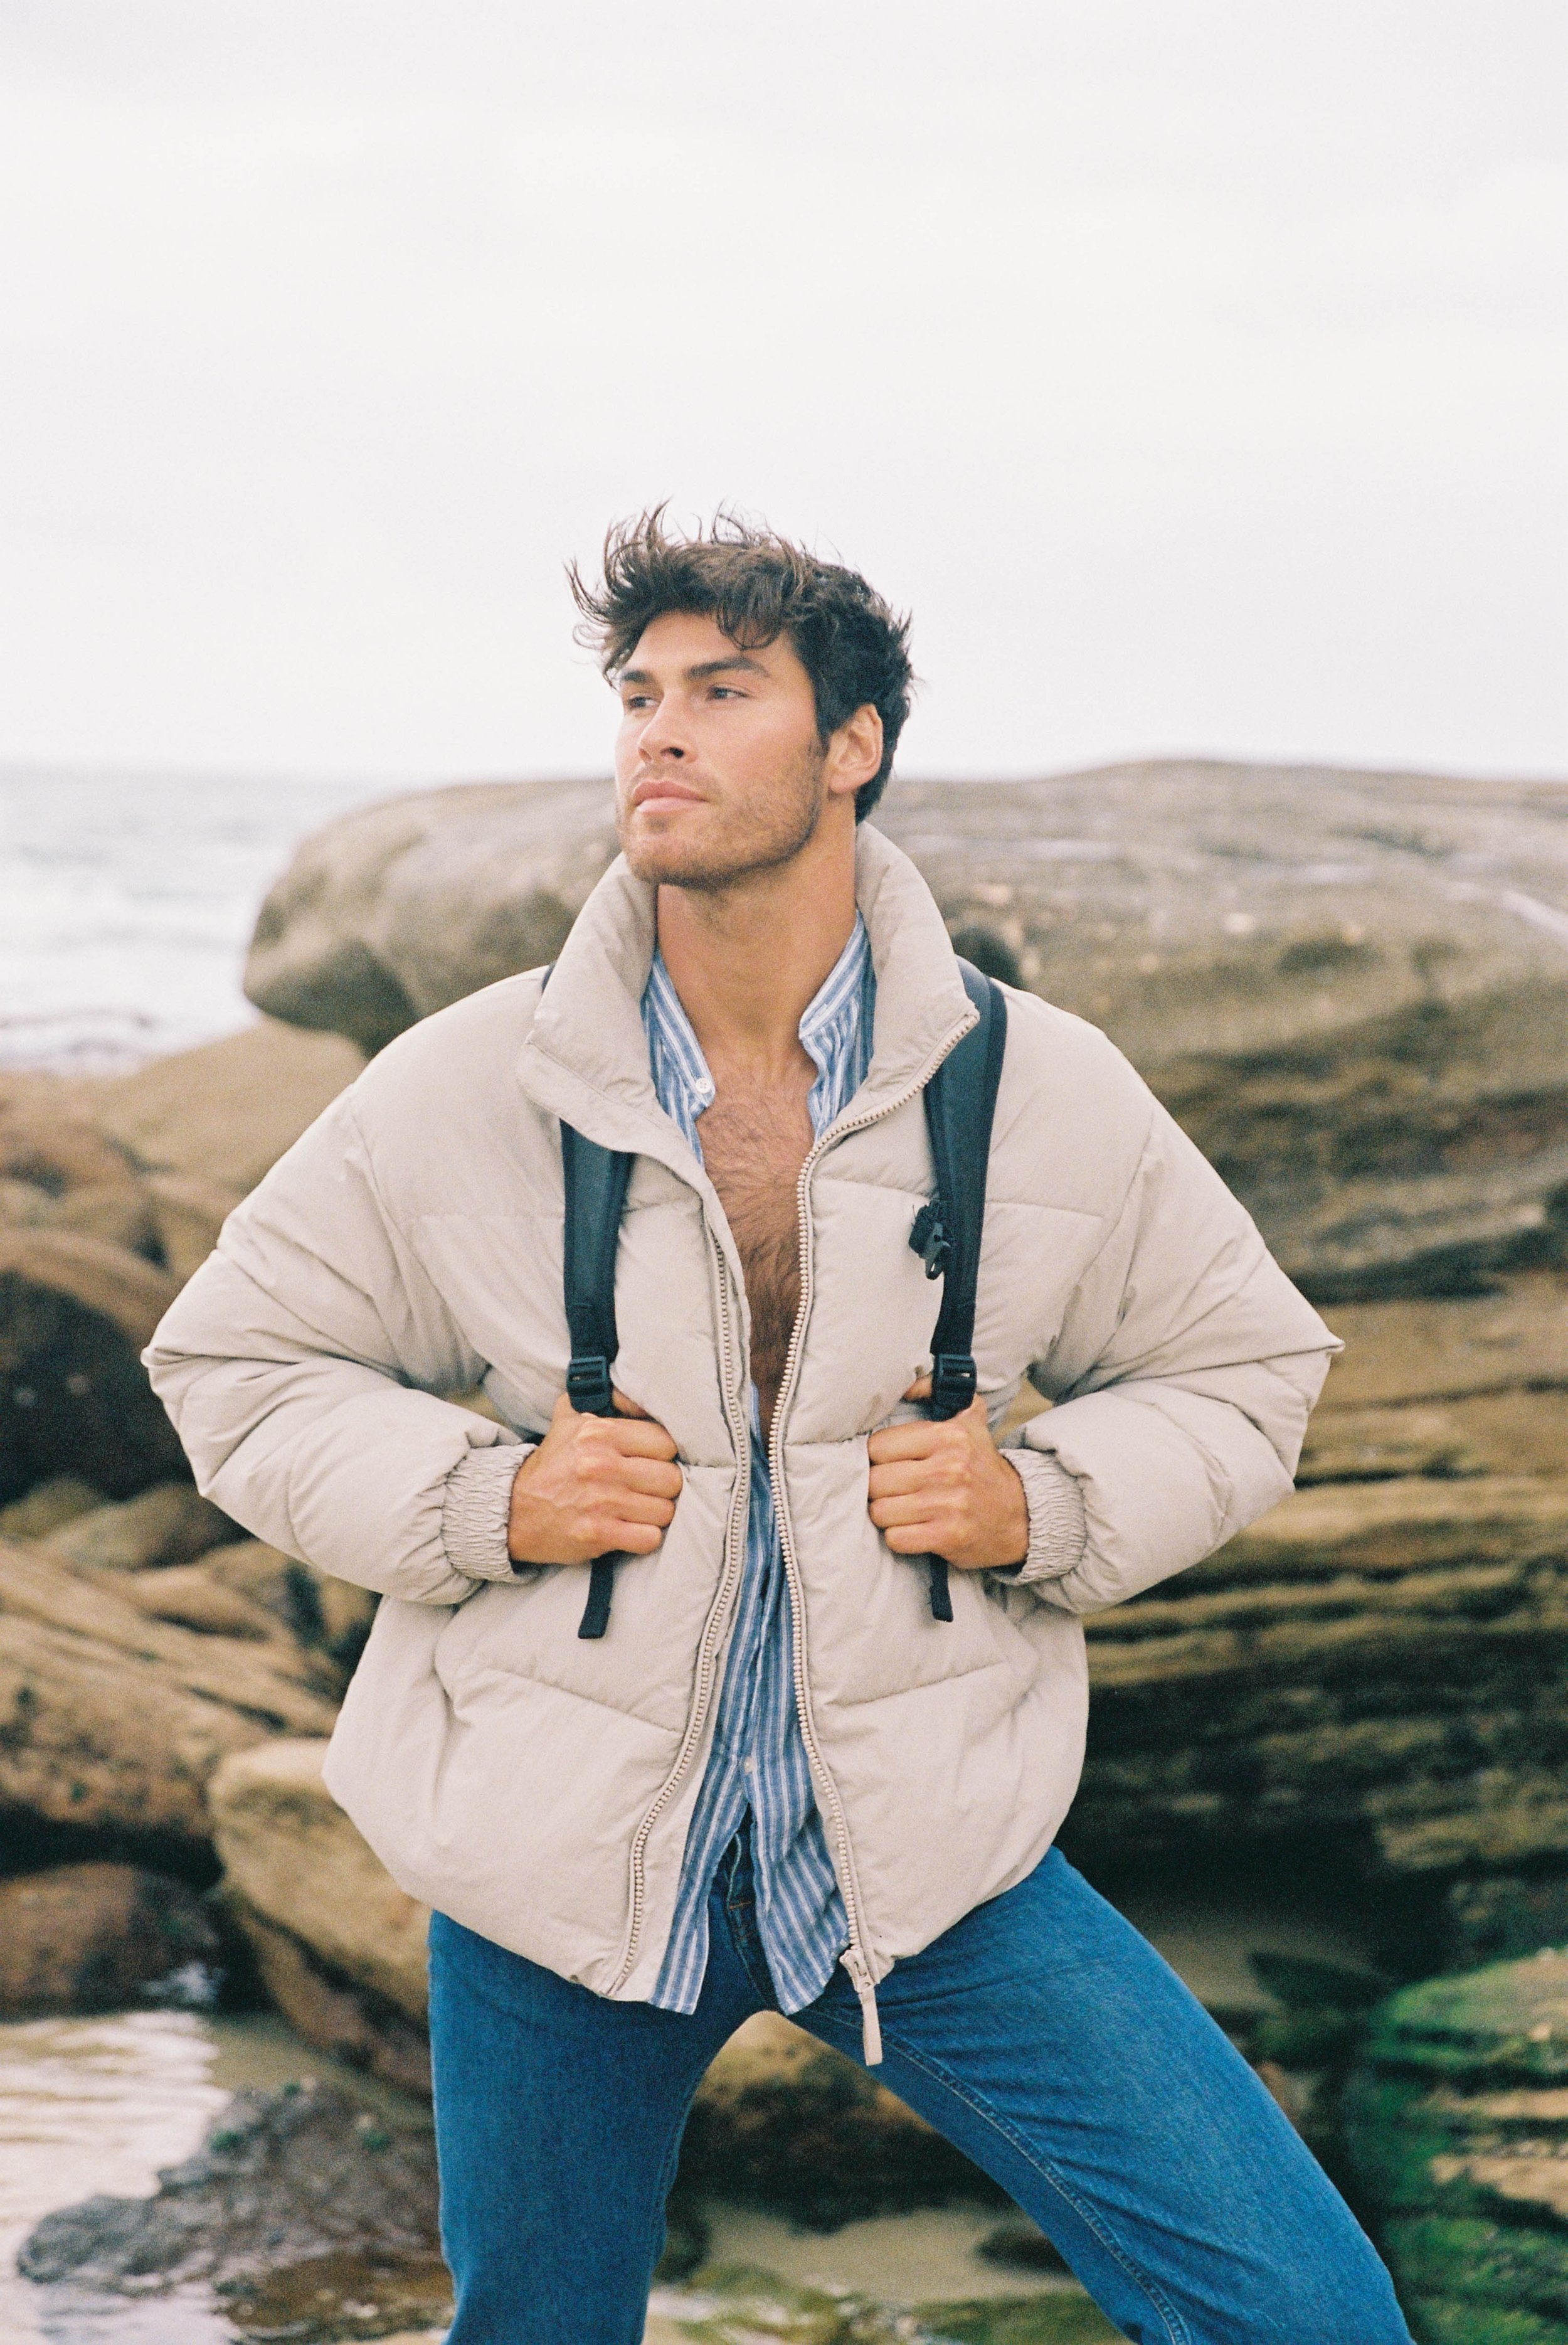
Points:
(75, 1313)
(338, 1946)
(167, 1524)
(111, 1723)
(221, 1115)
(291, 1855)
(399, 909)
(324, 1614)
(49, 1506)
(1456, 2124)
(1384, 1662)
(94, 1937)
(303, 2182)
(784, 2122)
(1351, 988)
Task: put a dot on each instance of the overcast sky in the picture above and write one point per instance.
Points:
(1194, 369)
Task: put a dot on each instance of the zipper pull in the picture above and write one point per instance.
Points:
(870, 2025)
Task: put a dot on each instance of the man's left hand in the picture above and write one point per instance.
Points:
(946, 1489)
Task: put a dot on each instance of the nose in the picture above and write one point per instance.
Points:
(665, 736)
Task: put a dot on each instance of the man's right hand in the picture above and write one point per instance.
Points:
(595, 1486)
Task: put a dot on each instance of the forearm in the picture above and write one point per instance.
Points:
(1166, 1474)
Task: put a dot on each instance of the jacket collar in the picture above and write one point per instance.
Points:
(586, 1058)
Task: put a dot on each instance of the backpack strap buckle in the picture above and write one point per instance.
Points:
(587, 1384)
(953, 1383)
(930, 1238)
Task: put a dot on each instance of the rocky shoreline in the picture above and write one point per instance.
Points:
(1353, 990)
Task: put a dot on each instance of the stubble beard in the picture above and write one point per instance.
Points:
(765, 839)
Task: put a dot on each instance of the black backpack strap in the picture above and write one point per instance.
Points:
(595, 1182)
(960, 1108)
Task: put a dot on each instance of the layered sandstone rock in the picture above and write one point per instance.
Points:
(1381, 1660)
(1351, 988)
(112, 1192)
(1456, 2123)
(95, 1937)
(112, 1721)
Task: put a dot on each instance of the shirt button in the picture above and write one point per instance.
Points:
(749, 1768)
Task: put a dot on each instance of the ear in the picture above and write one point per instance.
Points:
(853, 751)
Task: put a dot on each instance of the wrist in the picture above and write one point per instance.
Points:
(476, 1510)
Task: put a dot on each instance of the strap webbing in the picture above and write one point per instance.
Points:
(595, 1182)
(960, 1108)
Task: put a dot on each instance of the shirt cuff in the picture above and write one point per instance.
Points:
(476, 1509)
(1058, 1531)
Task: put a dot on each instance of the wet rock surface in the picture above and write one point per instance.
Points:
(339, 1948)
(282, 2180)
(1351, 988)
(112, 1722)
(1456, 2126)
(96, 1937)
(784, 2122)
(1381, 1660)
(112, 1190)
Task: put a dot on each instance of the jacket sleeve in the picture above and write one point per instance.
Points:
(301, 1366)
(1183, 1376)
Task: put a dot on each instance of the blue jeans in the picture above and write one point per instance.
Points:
(1041, 2035)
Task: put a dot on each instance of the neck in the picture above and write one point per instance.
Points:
(748, 960)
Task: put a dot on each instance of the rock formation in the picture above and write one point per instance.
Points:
(112, 1721)
(285, 2183)
(111, 1192)
(1351, 988)
(96, 1937)
(1456, 2123)
(339, 1948)
(1380, 1663)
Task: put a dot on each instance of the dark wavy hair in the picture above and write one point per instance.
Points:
(756, 586)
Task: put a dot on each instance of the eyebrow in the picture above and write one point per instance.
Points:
(696, 675)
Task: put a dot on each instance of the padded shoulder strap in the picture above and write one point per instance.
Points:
(594, 1182)
(960, 1108)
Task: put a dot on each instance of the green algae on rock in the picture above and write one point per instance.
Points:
(1456, 2127)
(735, 2305)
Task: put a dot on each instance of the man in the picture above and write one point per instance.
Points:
(777, 1782)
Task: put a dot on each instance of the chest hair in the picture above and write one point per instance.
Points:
(755, 1138)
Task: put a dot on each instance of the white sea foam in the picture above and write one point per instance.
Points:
(127, 902)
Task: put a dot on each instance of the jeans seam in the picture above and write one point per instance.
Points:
(669, 2167)
(1175, 2328)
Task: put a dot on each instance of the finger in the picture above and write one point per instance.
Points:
(913, 1538)
(890, 1513)
(897, 1481)
(634, 1508)
(897, 1441)
(651, 1475)
(631, 1538)
(920, 1389)
(637, 1436)
(626, 1407)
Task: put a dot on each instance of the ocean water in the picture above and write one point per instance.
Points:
(126, 903)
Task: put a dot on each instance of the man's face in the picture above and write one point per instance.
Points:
(719, 771)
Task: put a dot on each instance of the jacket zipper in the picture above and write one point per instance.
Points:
(712, 1635)
(855, 1957)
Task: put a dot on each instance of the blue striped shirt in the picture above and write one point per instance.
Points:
(757, 1781)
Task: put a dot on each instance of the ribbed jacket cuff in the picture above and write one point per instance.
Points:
(476, 1508)
(1058, 1532)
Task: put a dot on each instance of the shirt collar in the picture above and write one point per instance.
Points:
(829, 1027)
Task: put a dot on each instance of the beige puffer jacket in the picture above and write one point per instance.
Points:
(538, 1787)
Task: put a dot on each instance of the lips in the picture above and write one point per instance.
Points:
(664, 792)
